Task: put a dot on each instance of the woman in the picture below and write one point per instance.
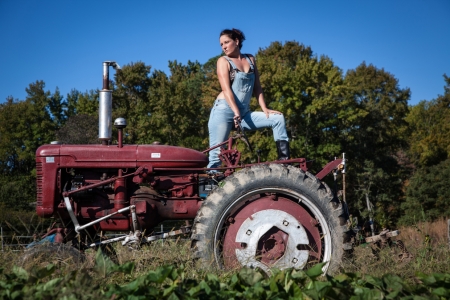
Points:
(239, 80)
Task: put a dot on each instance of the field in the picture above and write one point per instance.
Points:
(165, 269)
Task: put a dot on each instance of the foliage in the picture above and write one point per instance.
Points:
(428, 134)
(307, 90)
(169, 282)
(165, 270)
(130, 100)
(24, 126)
(17, 192)
(427, 194)
(429, 129)
(210, 83)
(372, 139)
(177, 116)
(79, 129)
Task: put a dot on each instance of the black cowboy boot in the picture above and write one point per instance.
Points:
(283, 150)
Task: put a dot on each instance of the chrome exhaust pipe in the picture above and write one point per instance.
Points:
(105, 105)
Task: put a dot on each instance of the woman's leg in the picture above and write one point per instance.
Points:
(219, 125)
(257, 119)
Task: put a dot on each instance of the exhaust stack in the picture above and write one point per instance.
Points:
(105, 105)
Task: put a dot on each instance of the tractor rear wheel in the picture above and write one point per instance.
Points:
(270, 216)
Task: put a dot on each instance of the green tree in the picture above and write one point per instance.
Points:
(56, 107)
(427, 195)
(177, 114)
(71, 103)
(11, 142)
(308, 91)
(87, 103)
(79, 129)
(24, 126)
(210, 84)
(429, 151)
(37, 125)
(429, 129)
(17, 191)
(130, 101)
(373, 137)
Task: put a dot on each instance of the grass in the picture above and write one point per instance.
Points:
(427, 243)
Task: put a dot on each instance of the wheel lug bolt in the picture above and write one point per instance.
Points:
(285, 223)
(249, 232)
(294, 260)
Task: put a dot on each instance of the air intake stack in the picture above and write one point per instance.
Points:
(105, 105)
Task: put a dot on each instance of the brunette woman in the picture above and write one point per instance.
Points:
(239, 80)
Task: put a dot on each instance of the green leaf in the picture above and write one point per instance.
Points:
(20, 273)
(103, 264)
(42, 273)
(250, 276)
(315, 271)
(51, 284)
(203, 285)
(160, 274)
(442, 292)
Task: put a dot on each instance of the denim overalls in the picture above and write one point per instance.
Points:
(221, 118)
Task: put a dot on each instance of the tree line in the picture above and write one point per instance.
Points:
(398, 155)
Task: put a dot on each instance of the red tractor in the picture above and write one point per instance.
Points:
(268, 214)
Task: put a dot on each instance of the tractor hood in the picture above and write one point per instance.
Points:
(129, 156)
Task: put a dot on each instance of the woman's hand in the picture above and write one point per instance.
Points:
(237, 120)
(271, 111)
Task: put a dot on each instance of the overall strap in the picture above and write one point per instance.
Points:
(232, 64)
(252, 67)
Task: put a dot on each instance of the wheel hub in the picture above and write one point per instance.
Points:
(273, 245)
(271, 232)
(278, 253)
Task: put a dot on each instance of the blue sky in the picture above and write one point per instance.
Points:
(64, 42)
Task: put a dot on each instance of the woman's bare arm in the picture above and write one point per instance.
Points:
(223, 73)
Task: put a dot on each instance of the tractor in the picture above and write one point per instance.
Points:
(263, 215)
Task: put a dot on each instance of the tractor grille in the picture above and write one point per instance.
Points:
(39, 183)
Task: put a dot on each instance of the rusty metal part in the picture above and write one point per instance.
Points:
(335, 164)
(103, 182)
(134, 238)
(383, 236)
(78, 228)
(121, 199)
(182, 230)
(244, 137)
(405, 255)
(383, 240)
